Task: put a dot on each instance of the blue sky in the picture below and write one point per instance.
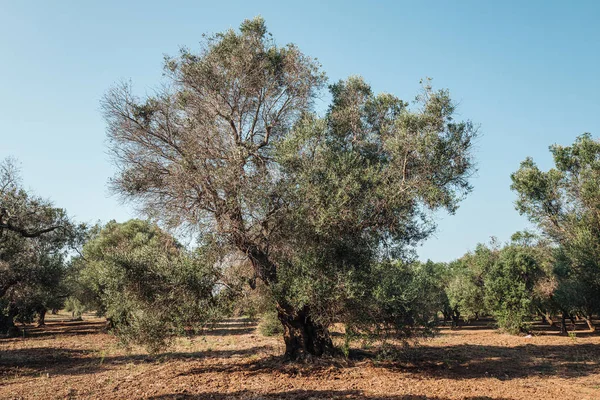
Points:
(527, 73)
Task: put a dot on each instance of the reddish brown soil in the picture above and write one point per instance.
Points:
(68, 360)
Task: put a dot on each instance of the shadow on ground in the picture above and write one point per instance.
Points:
(62, 328)
(306, 395)
(463, 361)
(38, 361)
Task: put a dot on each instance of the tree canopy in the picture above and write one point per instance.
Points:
(565, 203)
(233, 147)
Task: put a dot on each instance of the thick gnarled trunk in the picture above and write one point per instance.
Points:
(303, 337)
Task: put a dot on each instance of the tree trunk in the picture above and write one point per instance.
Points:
(446, 315)
(563, 323)
(455, 318)
(7, 323)
(573, 325)
(590, 324)
(303, 337)
(42, 317)
(548, 319)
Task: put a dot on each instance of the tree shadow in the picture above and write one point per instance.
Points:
(38, 361)
(580, 329)
(538, 328)
(305, 395)
(62, 328)
(451, 362)
(465, 361)
(227, 331)
(468, 361)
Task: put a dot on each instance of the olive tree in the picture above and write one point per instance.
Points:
(466, 285)
(231, 145)
(35, 240)
(509, 287)
(564, 202)
(148, 286)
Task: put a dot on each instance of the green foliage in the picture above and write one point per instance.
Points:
(269, 324)
(35, 241)
(466, 285)
(399, 300)
(509, 287)
(357, 177)
(511, 283)
(565, 204)
(75, 307)
(147, 285)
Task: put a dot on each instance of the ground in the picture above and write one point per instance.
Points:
(70, 359)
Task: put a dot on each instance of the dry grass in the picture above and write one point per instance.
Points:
(76, 360)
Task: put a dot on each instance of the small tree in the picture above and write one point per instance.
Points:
(147, 285)
(509, 288)
(233, 148)
(466, 285)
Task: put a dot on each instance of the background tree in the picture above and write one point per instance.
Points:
(509, 287)
(147, 285)
(233, 148)
(35, 240)
(564, 202)
(466, 285)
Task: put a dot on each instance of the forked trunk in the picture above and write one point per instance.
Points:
(303, 337)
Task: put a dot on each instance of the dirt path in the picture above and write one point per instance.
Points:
(75, 360)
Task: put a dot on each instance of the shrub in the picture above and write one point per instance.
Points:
(269, 324)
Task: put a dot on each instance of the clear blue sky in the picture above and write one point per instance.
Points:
(528, 73)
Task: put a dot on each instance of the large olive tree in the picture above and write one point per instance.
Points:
(232, 146)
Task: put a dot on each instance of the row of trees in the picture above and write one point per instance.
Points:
(551, 273)
(528, 277)
(309, 216)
